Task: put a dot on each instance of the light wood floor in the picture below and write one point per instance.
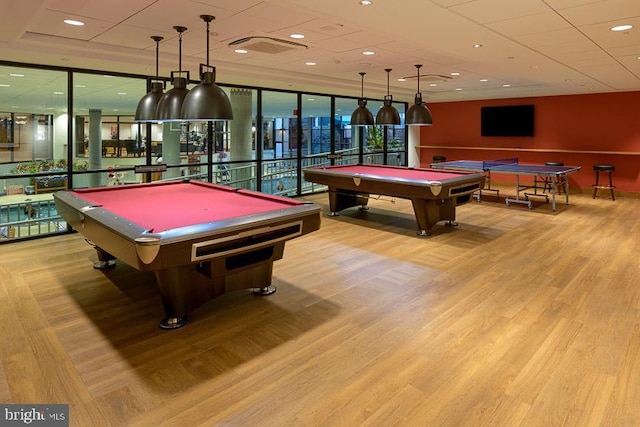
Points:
(513, 318)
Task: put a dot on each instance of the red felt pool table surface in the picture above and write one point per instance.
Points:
(394, 172)
(172, 205)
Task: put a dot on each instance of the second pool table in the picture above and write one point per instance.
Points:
(201, 240)
(433, 193)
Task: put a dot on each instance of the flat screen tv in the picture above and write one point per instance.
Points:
(507, 120)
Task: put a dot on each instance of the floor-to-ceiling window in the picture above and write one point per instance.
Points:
(63, 128)
(33, 162)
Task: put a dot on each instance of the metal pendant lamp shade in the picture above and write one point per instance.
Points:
(388, 115)
(362, 116)
(207, 101)
(418, 114)
(170, 105)
(148, 106)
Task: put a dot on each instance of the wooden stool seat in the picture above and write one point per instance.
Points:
(438, 159)
(605, 168)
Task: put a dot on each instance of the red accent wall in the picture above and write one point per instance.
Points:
(575, 123)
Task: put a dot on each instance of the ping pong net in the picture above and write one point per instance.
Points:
(496, 164)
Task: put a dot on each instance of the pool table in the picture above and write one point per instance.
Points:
(201, 240)
(433, 193)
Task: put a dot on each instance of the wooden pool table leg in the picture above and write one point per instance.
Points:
(342, 199)
(431, 211)
(105, 259)
(185, 288)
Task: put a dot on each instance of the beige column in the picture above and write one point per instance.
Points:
(240, 145)
(95, 146)
(413, 151)
(171, 148)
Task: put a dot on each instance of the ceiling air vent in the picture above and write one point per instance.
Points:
(430, 77)
(265, 44)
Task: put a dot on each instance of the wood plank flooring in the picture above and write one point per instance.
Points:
(515, 317)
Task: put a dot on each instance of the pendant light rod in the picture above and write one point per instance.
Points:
(388, 70)
(362, 84)
(418, 66)
(157, 39)
(180, 31)
(208, 19)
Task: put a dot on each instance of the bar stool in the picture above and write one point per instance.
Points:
(438, 159)
(559, 179)
(604, 168)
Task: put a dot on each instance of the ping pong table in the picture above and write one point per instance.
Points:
(556, 176)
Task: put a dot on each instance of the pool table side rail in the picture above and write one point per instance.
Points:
(465, 184)
(139, 248)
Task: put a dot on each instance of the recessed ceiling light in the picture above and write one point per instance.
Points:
(309, 63)
(477, 45)
(16, 75)
(74, 22)
(433, 84)
(122, 93)
(402, 79)
(81, 85)
(241, 51)
(297, 36)
(622, 27)
(458, 88)
(366, 2)
(368, 52)
(4, 85)
(58, 93)
(455, 73)
(506, 85)
(484, 80)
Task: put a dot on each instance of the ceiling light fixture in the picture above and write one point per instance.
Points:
(388, 115)
(366, 2)
(207, 101)
(147, 109)
(170, 105)
(622, 27)
(362, 116)
(418, 114)
(74, 22)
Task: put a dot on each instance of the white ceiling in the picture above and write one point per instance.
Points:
(538, 47)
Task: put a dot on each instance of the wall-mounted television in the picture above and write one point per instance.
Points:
(507, 120)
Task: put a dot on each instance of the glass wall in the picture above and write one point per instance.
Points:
(63, 128)
(280, 137)
(33, 134)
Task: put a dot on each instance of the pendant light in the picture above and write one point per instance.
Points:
(388, 115)
(148, 105)
(418, 114)
(362, 116)
(170, 105)
(207, 101)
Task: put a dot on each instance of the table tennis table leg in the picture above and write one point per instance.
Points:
(518, 199)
